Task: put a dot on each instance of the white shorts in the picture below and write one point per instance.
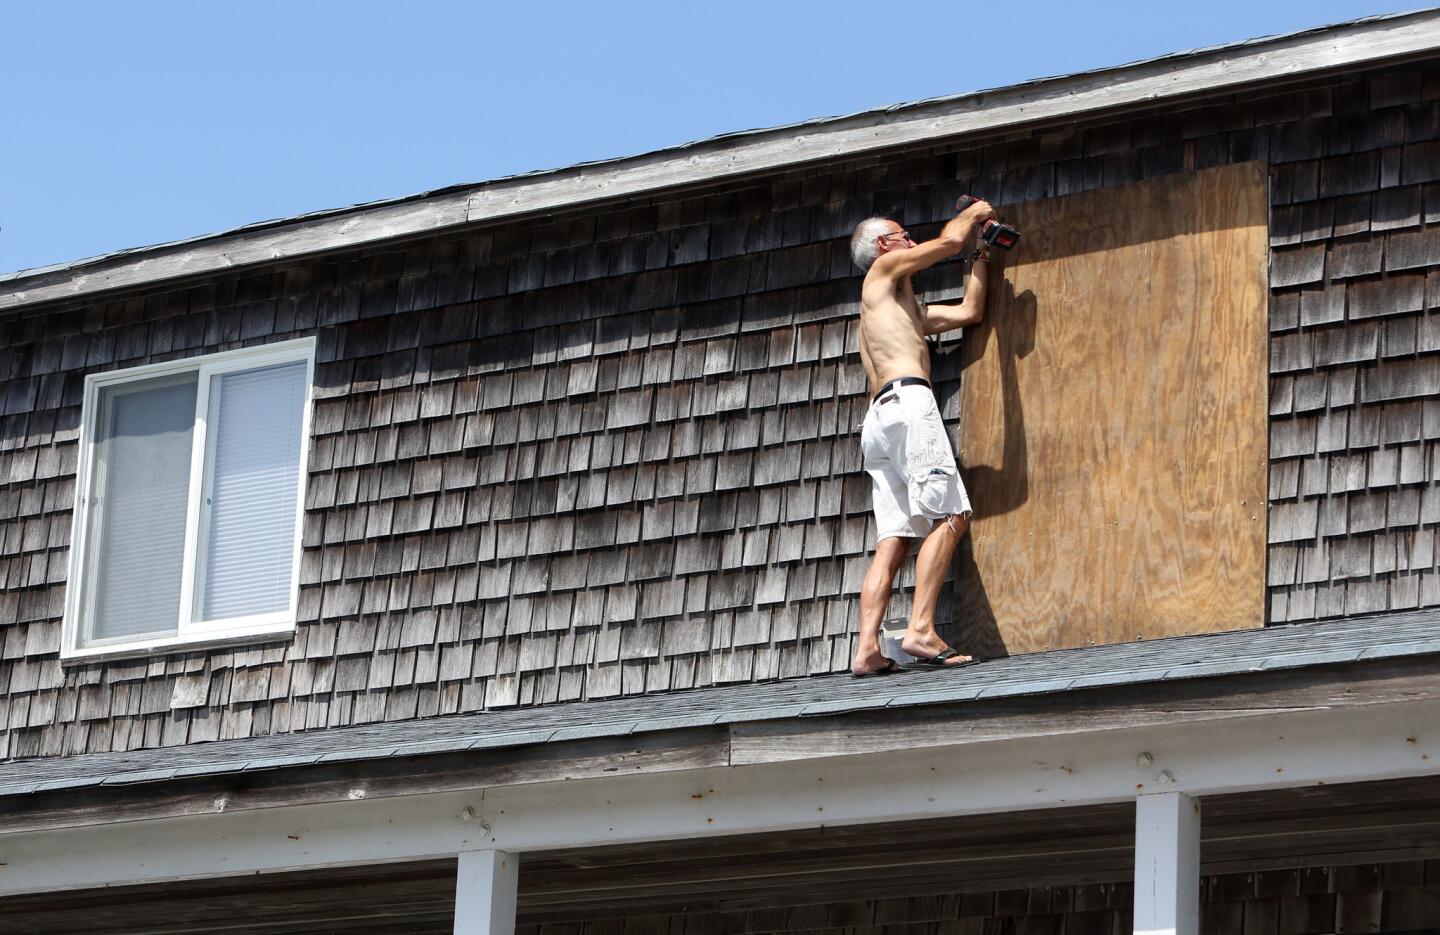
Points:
(908, 457)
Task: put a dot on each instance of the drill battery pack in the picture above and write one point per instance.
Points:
(994, 234)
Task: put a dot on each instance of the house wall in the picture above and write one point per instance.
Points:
(614, 453)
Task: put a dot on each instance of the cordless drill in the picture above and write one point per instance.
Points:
(993, 234)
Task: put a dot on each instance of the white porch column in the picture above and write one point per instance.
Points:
(1167, 864)
(485, 889)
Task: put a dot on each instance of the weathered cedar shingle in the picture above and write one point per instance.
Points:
(1400, 337)
(1364, 427)
(1355, 258)
(1389, 295)
(1347, 175)
(1400, 379)
(1296, 266)
(1420, 162)
(1396, 208)
(1293, 351)
(1411, 249)
(1356, 342)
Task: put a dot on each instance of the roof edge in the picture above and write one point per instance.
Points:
(1398, 637)
(1246, 64)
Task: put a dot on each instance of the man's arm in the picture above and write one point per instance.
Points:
(954, 237)
(970, 311)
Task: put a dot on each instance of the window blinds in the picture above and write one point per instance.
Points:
(253, 485)
(140, 506)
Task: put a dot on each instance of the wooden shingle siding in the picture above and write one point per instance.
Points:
(615, 453)
(1355, 386)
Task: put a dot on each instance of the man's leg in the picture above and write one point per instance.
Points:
(874, 598)
(921, 640)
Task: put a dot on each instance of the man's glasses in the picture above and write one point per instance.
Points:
(905, 235)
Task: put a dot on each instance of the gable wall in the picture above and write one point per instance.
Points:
(615, 453)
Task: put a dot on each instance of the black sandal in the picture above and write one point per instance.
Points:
(890, 668)
(937, 661)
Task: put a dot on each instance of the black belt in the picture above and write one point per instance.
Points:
(899, 382)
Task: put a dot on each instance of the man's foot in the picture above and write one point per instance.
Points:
(945, 659)
(934, 653)
(872, 663)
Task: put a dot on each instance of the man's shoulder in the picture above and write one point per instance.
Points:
(879, 286)
(885, 267)
(886, 293)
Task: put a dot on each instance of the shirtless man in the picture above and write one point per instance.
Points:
(907, 452)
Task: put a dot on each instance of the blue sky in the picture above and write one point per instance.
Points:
(127, 124)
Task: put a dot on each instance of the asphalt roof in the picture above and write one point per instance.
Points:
(1297, 646)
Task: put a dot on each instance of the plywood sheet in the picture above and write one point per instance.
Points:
(1113, 420)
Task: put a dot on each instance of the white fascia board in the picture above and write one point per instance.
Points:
(1282, 750)
(1211, 71)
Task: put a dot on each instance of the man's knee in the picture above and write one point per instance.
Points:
(958, 523)
(891, 552)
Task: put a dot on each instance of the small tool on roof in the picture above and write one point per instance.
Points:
(993, 234)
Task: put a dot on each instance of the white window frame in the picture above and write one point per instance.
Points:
(190, 632)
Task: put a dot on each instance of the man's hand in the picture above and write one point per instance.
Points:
(965, 226)
(978, 213)
(955, 237)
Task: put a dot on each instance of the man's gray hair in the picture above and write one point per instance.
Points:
(863, 248)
